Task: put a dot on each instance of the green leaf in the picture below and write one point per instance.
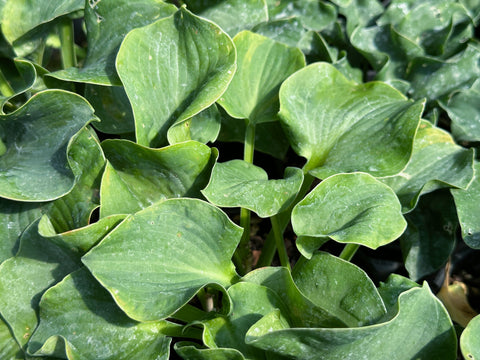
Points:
(191, 351)
(186, 64)
(350, 208)
(33, 13)
(391, 290)
(436, 162)
(136, 176)
(434, 79)
(156, 260)
(469, 340)
(430, 236)
(237, 183)
(360, 13)
(97, 328)
(407, 336)
(234, 16)
(467, 202)
(262, 65)
(37, 136)
(38, 265)
(340, 287)
(250, 302)
(107, 22)
(302, 312)
(9, 348)
(87, 161)
(464, 111)
(327, 118)
(112, 107)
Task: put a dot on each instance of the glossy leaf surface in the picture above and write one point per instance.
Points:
(144, 176)
(237, 183)
(187, 63)
(350, 208)
(327, 118)
(107, 22)
(404, 337)
(340, 287)
(34, 166)
(97, 328)
(156, 260)
(262, 65)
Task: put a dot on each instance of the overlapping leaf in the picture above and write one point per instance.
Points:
(34, 165)
(9, 348)
(186, 64)
(140, 176)
(436, 162)
(263, 65)
(404, 337)
(328, 118)
(107, 22)
(156, 260)
(97, 327)
(237, 183)
(349, 208)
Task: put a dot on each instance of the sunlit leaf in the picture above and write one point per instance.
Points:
(189, 350)
(9, 348)
(469, 341)
(186, 64)
(237, 183)
(156, 260)
(350, 208)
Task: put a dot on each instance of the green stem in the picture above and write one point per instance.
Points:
(5, 87)
(68, 45)
(190, 332)
(349, 251)
(189, 313)
(282, 251)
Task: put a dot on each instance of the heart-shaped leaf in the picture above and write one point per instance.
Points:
(328, 118)
(469, 340)
(237, 183)
(140, 176)
(107, 22)
(349, 208)
(467, 204)
(262, 65)
(34, 166)
(156, 260)
(97, 329)
(186, 64)
(340, 287)
(406, 336)
(38, 265)
(436, 162)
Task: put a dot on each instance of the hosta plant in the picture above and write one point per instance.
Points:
(218, 179)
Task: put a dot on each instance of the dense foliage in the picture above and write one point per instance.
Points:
(131, 228)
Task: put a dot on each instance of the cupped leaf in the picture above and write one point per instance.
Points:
(34, 166)
(107, 22)
(391, 289)
(136, 176)
(237, 183)
(262, 65)
(350, 208)
(186, 64)
(470, 339)
(234, 16)
(301, 311)
(112, 107)
(464, 111)
(340, 287)
(328, 118)
(189, 351)
(156, 260)
(250, 302)
(406, 336)
(436, 162)
(467, 204)
(38, 265)
(429, 239)
(97, 328)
